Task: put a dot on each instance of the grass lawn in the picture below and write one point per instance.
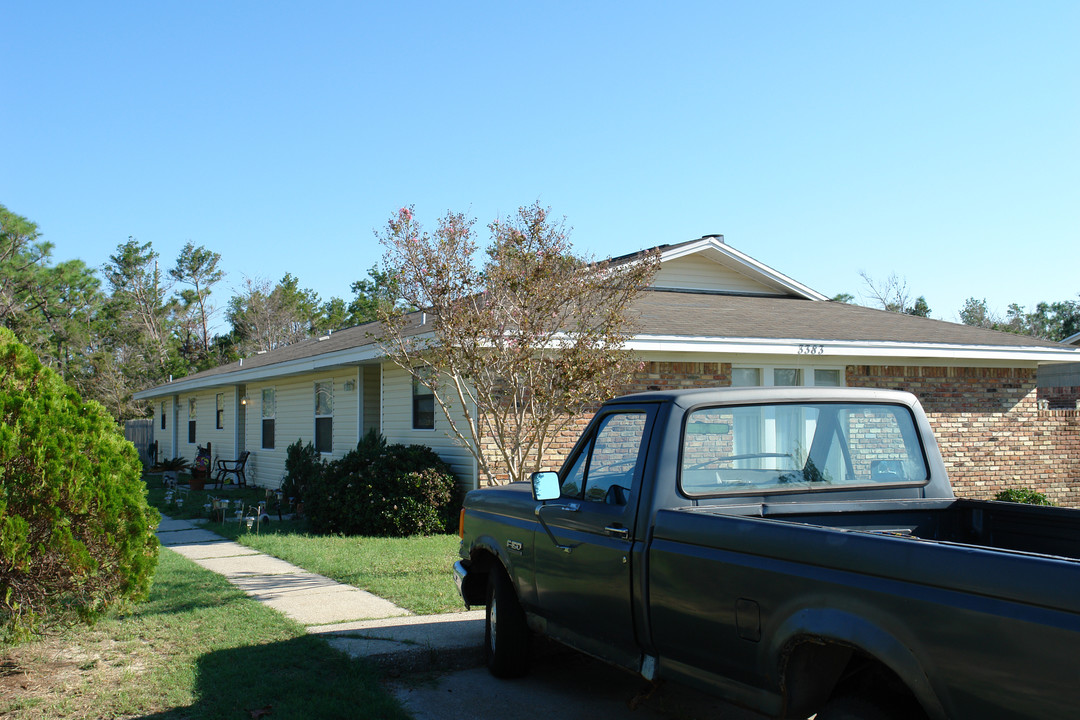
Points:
(413, 573)
(197, 648)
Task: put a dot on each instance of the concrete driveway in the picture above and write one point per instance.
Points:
(562, 684)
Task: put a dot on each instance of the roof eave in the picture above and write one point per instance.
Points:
(350, 356)
(805, 348)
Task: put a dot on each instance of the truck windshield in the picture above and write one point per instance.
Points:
(799, 447)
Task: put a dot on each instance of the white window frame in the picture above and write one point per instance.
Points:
(413, 385)
(193, 417)
(806, 373)
(330, 415)
(263, 417)
(219, 411)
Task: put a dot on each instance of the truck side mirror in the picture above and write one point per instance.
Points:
(545, 486)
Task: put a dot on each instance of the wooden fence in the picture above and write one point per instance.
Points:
(141, 434)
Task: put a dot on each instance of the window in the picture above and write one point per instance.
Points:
(787, 376)
(219, 413)
(782, 376)
(604, 471)
(269, 414)
(423, 401)
(827, 378)
(746, 377)
(192, 413)
(799, 447)
(324, 416)
(162, 416)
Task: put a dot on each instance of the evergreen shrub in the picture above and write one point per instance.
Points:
(1023, 495)
(303, 465)
(384, 490)
(76, 532)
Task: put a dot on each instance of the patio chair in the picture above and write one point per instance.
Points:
(232, 467)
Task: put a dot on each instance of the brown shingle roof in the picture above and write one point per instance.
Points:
(709, 315)
(697, 314)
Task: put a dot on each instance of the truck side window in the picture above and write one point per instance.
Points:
(604, 471)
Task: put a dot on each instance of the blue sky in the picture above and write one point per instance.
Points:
(936, 140)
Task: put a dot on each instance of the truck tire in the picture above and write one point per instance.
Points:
(506, 634)
(855, 707)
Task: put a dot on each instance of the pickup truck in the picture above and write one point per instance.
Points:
(797, 551)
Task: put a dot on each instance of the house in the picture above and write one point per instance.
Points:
(713, 316)
(1059, 385)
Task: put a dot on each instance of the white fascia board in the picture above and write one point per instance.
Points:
(1072, 339)
(810, 347)
(756, 267)
(241, 376)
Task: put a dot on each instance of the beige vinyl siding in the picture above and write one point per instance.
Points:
(221, 441)
(697, 273)
(224, 440)
(295, 420)
(397, 425)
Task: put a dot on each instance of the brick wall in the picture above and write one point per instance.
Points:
(989, 428)
(653, 376)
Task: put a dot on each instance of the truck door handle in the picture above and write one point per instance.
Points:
(618, 531)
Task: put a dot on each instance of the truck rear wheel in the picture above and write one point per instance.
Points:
(506, 634)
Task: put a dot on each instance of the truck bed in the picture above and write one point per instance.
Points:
(936, 581)
(992, 525)
(1021, 553)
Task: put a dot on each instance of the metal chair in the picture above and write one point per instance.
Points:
(232, 467)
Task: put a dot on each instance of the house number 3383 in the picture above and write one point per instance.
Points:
(811, 349)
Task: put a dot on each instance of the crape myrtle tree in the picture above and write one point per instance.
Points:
(512, 346)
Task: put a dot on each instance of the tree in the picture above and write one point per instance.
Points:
(920, 308)
(368, 293)
(511, 350)
(137, 302)
(49, 307)
(266, 318)
(976, 313)
(197, 267)
(76, 533)
(1050, 321)
(1054, 321)
(21, 257)
(893, 295)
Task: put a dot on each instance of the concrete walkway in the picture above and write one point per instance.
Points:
(352, 620)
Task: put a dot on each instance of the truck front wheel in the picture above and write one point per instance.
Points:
(506, 634)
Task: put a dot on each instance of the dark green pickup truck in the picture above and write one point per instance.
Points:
(794, 550)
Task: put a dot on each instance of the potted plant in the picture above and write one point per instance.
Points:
(171, 467)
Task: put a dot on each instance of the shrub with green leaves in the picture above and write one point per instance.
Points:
(76, 533)
(385, 490)
(1023, 495)
(303, 465)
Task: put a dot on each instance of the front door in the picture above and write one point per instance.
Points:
(584, 581)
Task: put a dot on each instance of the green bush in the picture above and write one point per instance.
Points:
(1023, 495)
(76, 533)
(303, 465)
(384, 490)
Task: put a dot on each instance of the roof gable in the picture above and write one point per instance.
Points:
(711, 265)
